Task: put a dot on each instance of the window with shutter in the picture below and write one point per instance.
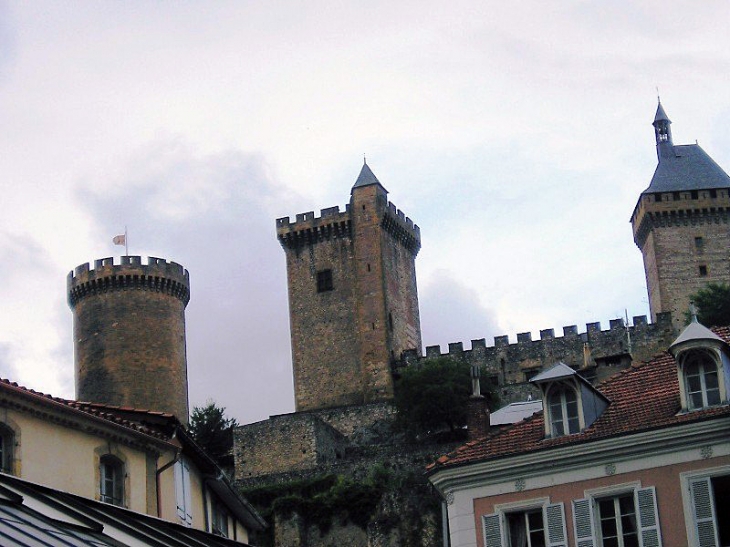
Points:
(534, 524)
(704, 512)
(623, 518)
(557, 536)
(111, 475)
(492, 530)
(648, 517)
(583, 523)
(183, 497)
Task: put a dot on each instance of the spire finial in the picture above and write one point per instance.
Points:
(364, 160)
(658, 98)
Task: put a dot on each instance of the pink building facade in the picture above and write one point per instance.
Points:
(641, 460)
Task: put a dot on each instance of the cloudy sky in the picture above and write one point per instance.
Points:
(516, 134)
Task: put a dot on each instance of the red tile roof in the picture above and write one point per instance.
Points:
(141, 421)
(642, 397)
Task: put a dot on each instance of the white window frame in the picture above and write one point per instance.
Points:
(495, 529)
(703, 372)
(218, 511)
(116, 481)
(183, 492)
(586, 517)
(714, 356)
(688, 481)
(549, 392)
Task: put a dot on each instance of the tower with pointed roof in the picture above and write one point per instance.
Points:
(680, 223)
(353, 302)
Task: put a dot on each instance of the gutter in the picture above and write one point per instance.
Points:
(159, 472)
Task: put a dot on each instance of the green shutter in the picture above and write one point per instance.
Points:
(556, 525)
(492, 530)
(648, 517)
(704, 512)
(583, 523)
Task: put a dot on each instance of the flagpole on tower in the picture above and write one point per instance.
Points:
(121, 239)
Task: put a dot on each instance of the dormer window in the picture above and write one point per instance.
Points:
(700, 375)
(703, 367)
(569, 401)
(563, 410)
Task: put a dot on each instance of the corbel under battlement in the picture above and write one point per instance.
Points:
(402, 228)
(157, 274)
(308, 228)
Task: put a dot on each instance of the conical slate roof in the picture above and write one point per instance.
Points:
(558, 370)
(661, 115)
(366, 177)
(694, 332)
(688, 168)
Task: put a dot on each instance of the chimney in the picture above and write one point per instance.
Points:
(477, 419)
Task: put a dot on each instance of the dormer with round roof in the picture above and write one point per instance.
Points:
(703, 367)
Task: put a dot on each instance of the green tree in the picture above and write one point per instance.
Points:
(713, 304)
(210, 428)
(435, 395)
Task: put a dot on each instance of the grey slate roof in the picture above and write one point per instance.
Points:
(559, 370)
(32, 514)
(688, 168)
(660, 114)
(366, 178)
(514, 412)
(694, 331)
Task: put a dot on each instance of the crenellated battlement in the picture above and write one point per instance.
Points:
(402, 228)
(157, 275)
(308, 228)
(664, 209)
(593, 334)
(598, 352)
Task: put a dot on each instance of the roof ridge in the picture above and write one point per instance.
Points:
(88, 409)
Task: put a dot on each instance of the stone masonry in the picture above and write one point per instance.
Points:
(595, 353)
(352, 297)
(115, 304)
(683, 237)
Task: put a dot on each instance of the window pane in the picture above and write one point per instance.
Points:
(711, 379)
(694, 384)
(696, 400)
(534, 520)
(537, 539)
(713, 397)
(111, 474)
(608, 528)
(606, 508)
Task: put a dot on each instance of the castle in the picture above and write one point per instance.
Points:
(355, 323)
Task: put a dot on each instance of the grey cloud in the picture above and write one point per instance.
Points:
(220, 229)
(450, 311)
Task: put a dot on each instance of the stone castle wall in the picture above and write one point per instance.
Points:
(595, 353)
(308, 441)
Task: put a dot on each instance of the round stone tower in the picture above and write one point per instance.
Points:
(129, 333)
